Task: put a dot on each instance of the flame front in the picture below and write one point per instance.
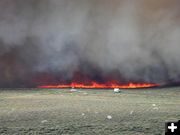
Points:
(95, 85)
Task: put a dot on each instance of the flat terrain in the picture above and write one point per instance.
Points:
(87, 112)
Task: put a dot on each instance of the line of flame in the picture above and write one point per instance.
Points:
(95, 85)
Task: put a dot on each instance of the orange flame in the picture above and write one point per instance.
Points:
(95, 85)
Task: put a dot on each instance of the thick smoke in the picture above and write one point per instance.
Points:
(43, 40)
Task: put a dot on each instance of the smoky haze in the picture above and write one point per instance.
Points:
(43, 41)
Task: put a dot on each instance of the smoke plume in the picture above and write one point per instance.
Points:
(43, 41)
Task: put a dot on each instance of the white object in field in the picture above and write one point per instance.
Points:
(73, 90)
(109, 117)
(117, 90)
(131, 112)
(153, 104)
(44, 121)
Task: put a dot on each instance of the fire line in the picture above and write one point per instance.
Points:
(95, 85)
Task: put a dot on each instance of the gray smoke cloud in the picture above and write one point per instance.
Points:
(137, 40)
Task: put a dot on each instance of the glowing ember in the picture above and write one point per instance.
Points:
(95, 85)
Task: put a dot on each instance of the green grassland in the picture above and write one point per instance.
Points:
(85, 112)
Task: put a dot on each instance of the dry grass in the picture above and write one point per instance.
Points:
(134, 112)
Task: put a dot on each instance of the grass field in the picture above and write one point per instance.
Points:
(88, 112)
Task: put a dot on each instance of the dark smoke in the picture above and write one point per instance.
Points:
(51, 41)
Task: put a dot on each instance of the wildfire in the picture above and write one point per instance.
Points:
(95, 85)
